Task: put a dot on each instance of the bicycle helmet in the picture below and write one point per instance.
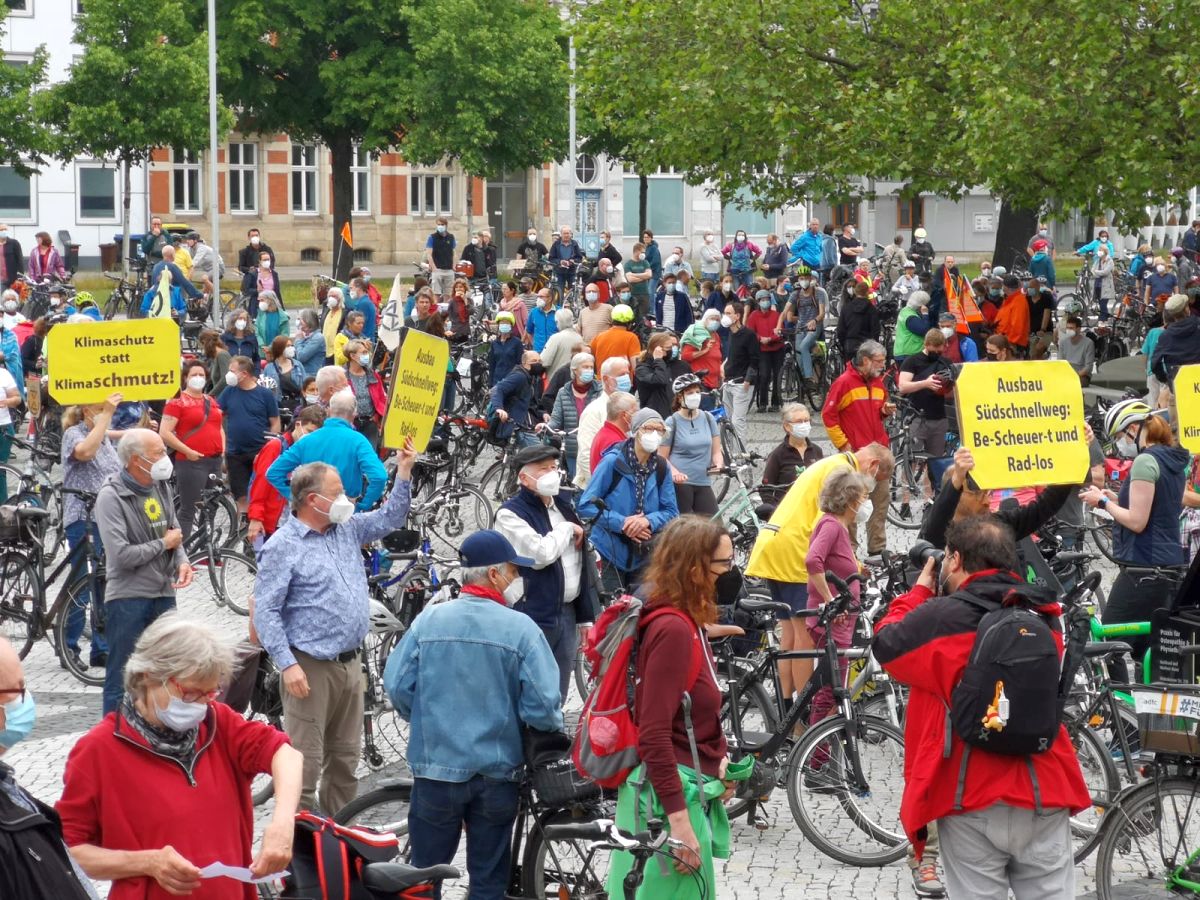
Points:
(506, 317)
(84, 298)
(1124, 414)
(623, 313)
(803, 271)
(683, 382)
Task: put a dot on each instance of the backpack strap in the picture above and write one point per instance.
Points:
(697, 652)
(660, 475)
(962, 778)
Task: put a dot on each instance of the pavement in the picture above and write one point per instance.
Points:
(768, 863)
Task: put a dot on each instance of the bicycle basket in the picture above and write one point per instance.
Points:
(17, 530)
(551, 772)
(1168, 718)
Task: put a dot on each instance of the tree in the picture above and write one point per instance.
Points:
(1049, 107)
(24, 140)
(141, 83)
(480, 81)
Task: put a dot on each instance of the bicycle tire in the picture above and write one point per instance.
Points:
(114, 304)
(228, 300)
(383, 809)
(824, 779)
(1135, 822)
(754, 701)
(53, 537)
(22, 601)
(494, 483)
(75, 591)
(790, 381)
(16, 483)
(464, 510)
(731, 447)
(262, 787)
(1100, 775)
(1101, 534)
(910, 513)
(232, 578)
(540, 882)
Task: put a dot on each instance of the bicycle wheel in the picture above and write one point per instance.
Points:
(16, 483)
(462, 511)
(553, 869)
(855, 824)
(383, 809)
(756, 716)
(78, 599)
(1100, 529)
(1100, 774)
(114, 304)
(908, 500)
(232, 576)
(789, 379)
(731, 447)
(1149, 835)
(494, 485)
(228, 300)
(21, 601)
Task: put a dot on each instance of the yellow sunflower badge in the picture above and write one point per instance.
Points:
(152, 509)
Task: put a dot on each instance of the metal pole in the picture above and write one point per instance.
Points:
(213, 197)
(571, 120)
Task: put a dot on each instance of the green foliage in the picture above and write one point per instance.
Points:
(24, 140)
(141, 83)
(804, 98)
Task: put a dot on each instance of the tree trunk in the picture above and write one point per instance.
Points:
(643, 195)
(1012, 233)
(341, 155)
(127, 195)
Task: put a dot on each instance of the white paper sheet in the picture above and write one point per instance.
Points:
(237, 873)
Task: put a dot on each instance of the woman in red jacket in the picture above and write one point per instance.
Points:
(763, 321)
(267, 504)
(160, 788)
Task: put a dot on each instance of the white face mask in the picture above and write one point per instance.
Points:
(708, 239)
(532, 237)
(331, 302)
(1160, 269)
(240, 324)
(650, 441)
(800, 429)
(231, 378)
(196, 382)
(264, 263)
(592, 297)
(1069, 332)
(864, 512)
(160, 469)
(1126, 446)
(514, 592)
(289, 352)
(256, 240)
(726, 321)
(474, 242)
(10, 306)
(311, 398)
(364, 359)
(692, 400)
(180, 716)
(548, 485)
(443, 308)
(340, 509)
(948, 332)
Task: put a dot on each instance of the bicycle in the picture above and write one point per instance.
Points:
(731, 444)
(35, 486)
(231, 573)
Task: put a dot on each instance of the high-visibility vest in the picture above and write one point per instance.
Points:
(960, 300)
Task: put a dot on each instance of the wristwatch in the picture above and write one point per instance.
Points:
(1102, 502)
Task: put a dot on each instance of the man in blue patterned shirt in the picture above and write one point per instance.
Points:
(311, 615)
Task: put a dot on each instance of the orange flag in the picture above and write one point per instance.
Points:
(346, 236)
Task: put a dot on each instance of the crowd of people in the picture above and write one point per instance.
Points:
(288, 407)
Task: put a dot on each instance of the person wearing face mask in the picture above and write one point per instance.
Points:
(700, 347)
(191, 426)
(44, 260)
(1160, 283)
(1041, 265)
(169, 740)
(1043, 234)
(1013, 319)
(806, 248)
(765, 323)
(619, 339)
(620, 408)
(311, 614)
(354, 329)
(143, 548)
(364, 272)
(854, 414)
(531, 249)
(849, 246)
(565, 255)
(793, 455)
(673, 306)
(542, 324)
(12, 260)
(692, 447)
(213, 352)
(596, 316)
(511, 302)
(742, 255)
(657, 368)
(512, 400)
(266, 506)
(12, 306)
(474, 253)
(959, 347)
(249, 258)
(639, 277)
(283, 374)
(333, 320)
(1002, 821)
(924, 379)
(635, 485)
(34, 860)
(504, 352)
(272, 320)
(250, 411)
(912, 324)
(1042, 304)
(466, 750)
(240, 337)
(358, 301)
(570, 402)
(1077, 348)
(309, 341)
(710, 258)
(366, 386)
(742, 369)
(614, 376)
(560, 345)
(921, 252)
(804, 314)
(559, 581)
(438, 258)
(858, 321)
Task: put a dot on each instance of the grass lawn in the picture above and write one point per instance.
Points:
(296, 294)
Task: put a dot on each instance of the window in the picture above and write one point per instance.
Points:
(97, 193)
(16, 195)
(243, 178)
(185, 178)
(585, 168)
(19, 7)
(844, 214)
(363, 256)
(664, 206)
(18, 60)
(77, 8)
(741, 216)
(310, 254)
(360, 175)
(429, 195)
(304, 178)
(910, 212)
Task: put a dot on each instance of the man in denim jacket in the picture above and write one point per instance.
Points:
(467, 675)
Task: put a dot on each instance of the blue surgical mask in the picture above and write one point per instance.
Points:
(19, 716)
(181, 716)
(505, 328)
(624, 383)
(441, 229)
(587, 376)
(625, 295)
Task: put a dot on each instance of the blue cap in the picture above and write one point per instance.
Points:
(490, 548)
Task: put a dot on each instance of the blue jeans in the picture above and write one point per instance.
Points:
(742, 279)
(805, 341)
(6, 439)
(75, 612)
(487, 807)
(564, 643)
(125, 620)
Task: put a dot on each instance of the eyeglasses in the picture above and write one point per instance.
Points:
(20, 692)
(195, 696)
(725, 563)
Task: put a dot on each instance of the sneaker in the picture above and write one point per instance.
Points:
(817, 781)
(98, 660)
(926, 882)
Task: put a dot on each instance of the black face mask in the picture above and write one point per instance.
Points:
(537, 369)
(729, 587)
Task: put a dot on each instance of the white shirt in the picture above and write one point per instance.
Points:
(7, 383)
(590, 422)
(545, 549)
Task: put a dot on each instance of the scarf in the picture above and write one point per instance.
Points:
(180, 747)
(134, 485)
(641, 473)
(695, 335)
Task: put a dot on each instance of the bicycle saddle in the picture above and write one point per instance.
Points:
(1093, 649)
(752, 604)
(764, 511)
(386, 877)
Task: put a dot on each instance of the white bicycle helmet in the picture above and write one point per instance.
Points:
(1124, 414)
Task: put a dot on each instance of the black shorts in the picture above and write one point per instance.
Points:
(794, 595)
(240, 467)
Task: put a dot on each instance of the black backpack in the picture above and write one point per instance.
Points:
(1007, 701)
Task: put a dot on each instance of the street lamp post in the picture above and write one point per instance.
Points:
(213, 202)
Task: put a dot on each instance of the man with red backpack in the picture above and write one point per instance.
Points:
(1002, 783)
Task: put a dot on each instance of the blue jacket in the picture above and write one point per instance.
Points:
(178, 279)
(467, 675)
(569, 252)
(514, 394)
(271, 371)
(310, 351)
(659, 506)
(543, 601)
(683, 311)
(966, 346)
(11, 348)
(541, 326)
(1158, 543)
(177, 302)
(829, 251)
(338, 444)
(1042, 266)
(247, 345)
(1090, 247)
(503, 357)
(365, 306)
(654, 257)
(807, 247)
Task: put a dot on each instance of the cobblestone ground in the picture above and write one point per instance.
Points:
(770, 863)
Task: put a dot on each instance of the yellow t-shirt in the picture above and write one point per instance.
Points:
(781, 547)
(183, 259)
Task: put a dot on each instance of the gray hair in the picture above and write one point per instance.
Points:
(355, 316)
(309, 318)
(841, 490)
(866, 350)
(343, 406)
(328, 376)
(234, 315)
(579, 360)
(609, 367)
(790, 409)
(474, 575)
(264, 296)
(341, 298)
(564, 319)
(619, 403)
(134, 442)
(307, 480)
(179, 648)
(10, 294)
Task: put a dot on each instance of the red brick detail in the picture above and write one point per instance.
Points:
(545, 196)
(277, 157)
(160, 154)
(160, 191)
(391, 160)
(277, 193)
(220, 154)
(477, 195)
(221, 193)
(394, 195)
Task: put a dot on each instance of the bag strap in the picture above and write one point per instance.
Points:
(203, 422)
(697, 652)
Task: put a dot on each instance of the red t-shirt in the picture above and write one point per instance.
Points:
(191, 428)
(608, 435)
(763, 324)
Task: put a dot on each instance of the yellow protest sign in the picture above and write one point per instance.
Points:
(1187, 403)
(418, 379)
(88, 361)
(1023, 422)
